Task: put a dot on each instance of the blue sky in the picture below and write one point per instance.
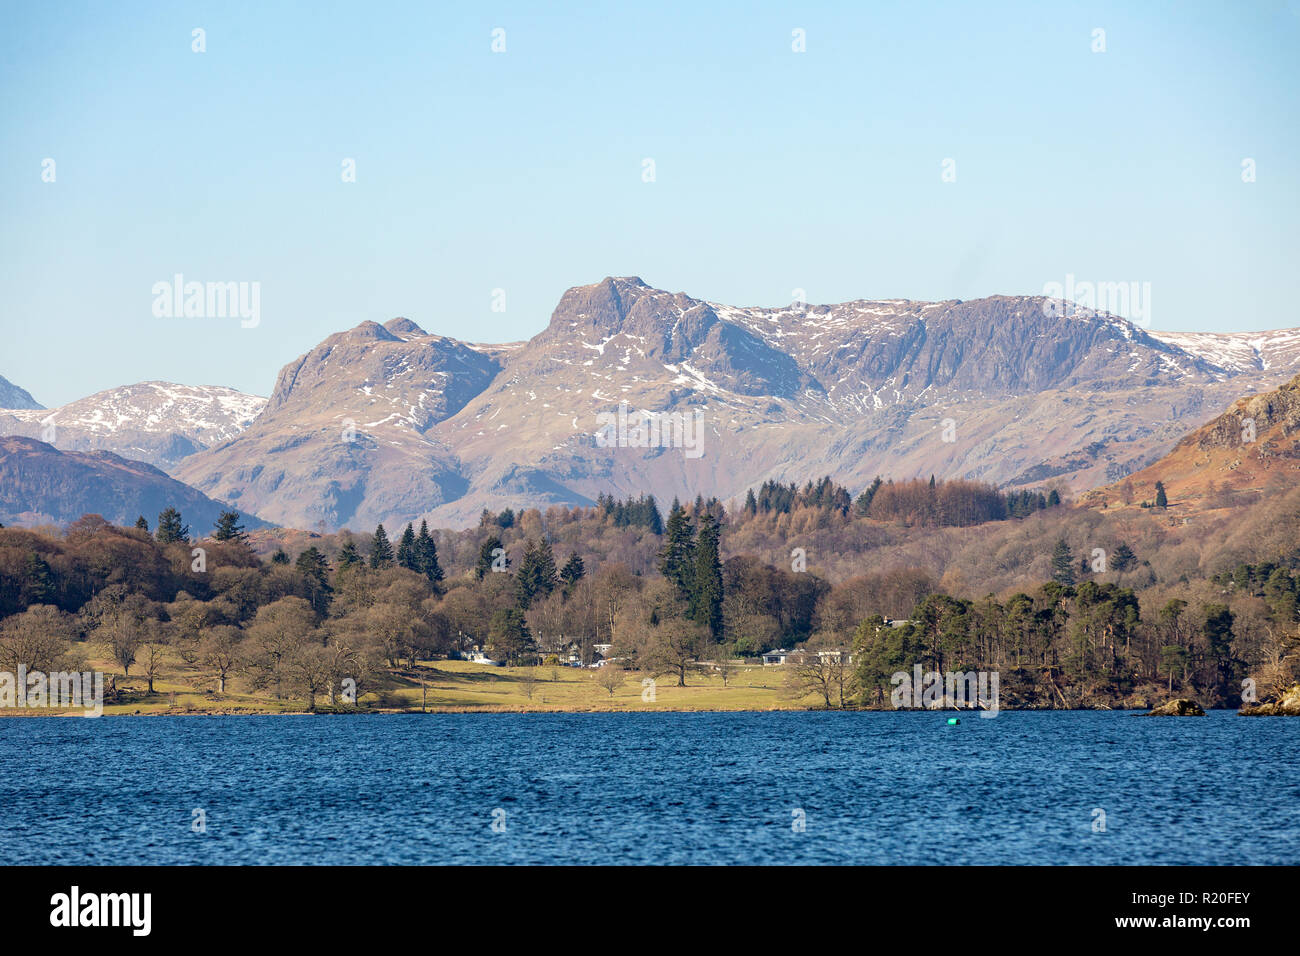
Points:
(522, 170)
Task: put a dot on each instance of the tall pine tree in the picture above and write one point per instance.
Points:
(170, 528)
(1062, 563)
(426, 556)
(228, 527)
(677, 559)
(406, 550)
(536, 576)
(706, 584)
(381, 551)
(486, 557)
(572, 572)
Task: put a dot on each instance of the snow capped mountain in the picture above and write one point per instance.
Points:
(11, 396)
(1239, 352)
(155, 422)
(388, 423)
(347, 434)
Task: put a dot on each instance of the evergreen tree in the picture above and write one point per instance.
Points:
(228, 527)
(1219, 662)
(751, 503)
(312, 566)
(705, 606)
(348, 555)
(1122, 558)
(426, 556)
(1053, 498)
(508, 636)
(572, 572)
(142, 524)
(38, 581)
(1161, 500)
(406, 550)
(170, 528)
(536, 576)
(381, 551)
(676, 560)
(280, 557)
(863, 503)
(486, 557)
(1063, 564)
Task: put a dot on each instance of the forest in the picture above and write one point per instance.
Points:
(1074, 607)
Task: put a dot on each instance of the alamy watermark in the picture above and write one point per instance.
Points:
(932, 690)
(642, 429)
(178, 299)
(61, 690)
(1131, 300)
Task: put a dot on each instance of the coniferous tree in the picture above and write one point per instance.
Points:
(1063, 563)
(863, 503)
(348, 555)
(142, 524)
(486, 557)
(1161, 500)
(426, 556)
(170, 528)
(228, 527)
(572, 572)
(705, 606)
(280, 556)
(381, 551)
(406, 550)
(38, 581)
(1053, 498)
(1122, 558)
(312, 566)
(508, 635)
(676, 560)
(536, 576)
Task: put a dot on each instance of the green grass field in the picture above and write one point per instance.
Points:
(458, 687)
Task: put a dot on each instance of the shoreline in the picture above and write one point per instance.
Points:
(969, 714)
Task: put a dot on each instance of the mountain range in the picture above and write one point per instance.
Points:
(159, 423)
(391, 423)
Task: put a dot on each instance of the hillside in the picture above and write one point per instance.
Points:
(11, 396)
(41, 485)
(1252, 447)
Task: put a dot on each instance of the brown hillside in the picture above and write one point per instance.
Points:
(1253, 446)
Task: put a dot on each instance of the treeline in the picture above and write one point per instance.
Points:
(641, 513)
(776, 498)
(528, 587)
(949, 504)
(1065, 646)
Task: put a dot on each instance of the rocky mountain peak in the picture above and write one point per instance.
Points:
(403, 327)
(11, 396)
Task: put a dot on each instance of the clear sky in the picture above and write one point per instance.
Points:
(523, 170)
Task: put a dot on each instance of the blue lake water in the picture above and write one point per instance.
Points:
(873, 788)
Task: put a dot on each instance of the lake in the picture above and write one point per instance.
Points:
(710, 788)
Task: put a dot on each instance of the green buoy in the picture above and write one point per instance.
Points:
(953, 720)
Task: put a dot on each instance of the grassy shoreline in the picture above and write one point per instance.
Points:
(462, 687)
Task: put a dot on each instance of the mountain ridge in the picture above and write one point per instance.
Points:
(853, 389)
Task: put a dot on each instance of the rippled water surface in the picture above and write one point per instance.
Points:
(652, 788)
